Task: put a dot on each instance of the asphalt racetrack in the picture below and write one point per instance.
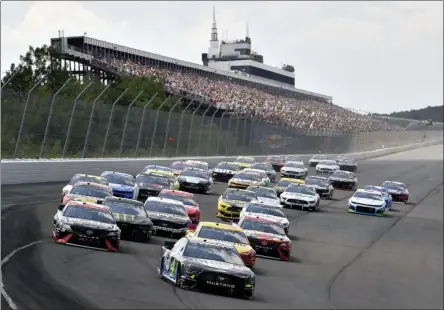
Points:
(339, 260)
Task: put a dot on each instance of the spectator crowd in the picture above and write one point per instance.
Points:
(276, 107)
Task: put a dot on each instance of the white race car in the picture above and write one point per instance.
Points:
(266, 211)
(266, 195)
(327, 167)
(316, 159)
(295, 170)
(367, 202)
(300, 195)
(195, 179)
(199, 164)
(271, 173)
(262, 173)
(83, 178)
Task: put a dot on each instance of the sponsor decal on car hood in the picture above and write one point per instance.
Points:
(218, 265)
(238, 203)
(88, 223)
(195, 180)
(298, 195)
(341, 179)
(266, 236)
(225, 171)
(327, 167)
(83, 198)
(123, 217)
(167, 216)
(291, 169)
(120, 187)
(366, 201)
(271, 201)
(267, 216)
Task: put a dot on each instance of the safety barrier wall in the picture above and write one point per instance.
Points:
(40, 171)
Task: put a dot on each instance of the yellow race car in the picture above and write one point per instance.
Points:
(166, 174)
(230, 203)
(245, 162)
(227, 234)
(243, 179)
(283, 183)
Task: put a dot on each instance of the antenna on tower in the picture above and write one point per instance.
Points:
(248, 30)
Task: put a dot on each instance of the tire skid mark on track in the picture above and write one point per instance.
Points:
(354, 259)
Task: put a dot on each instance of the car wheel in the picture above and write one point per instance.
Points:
(147, 237)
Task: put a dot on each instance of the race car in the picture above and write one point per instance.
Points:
(188, 199)
(347, 164)
(158, 168)
(275, 161)
(225, 171)
(88, 192)
(123, 184)
(195, 179)
(150, 185)
(86, 224)
(266, 211)
(245, 162)
(265, 179)
(131, 217)
(398, 190)
(343, 180)
(384, 192)
(316, 159)
(302, 196)
(168, 174)
(230, 203)
(83, 178)
(199, 164)
(266, 236)
(169, 216)
(194, 263)
(367, 202)
(228, 234)
(321, 185)
(294, 170)
(267, 168)
(293, 158)
(179, 166)
(244, 179)
(265, 195)
(326, 167)
(284, 183)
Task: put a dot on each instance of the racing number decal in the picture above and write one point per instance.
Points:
(173, 266)
(124, 217)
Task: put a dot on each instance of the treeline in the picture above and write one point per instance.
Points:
(435, 114)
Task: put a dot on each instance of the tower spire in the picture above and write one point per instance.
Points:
(248, 30)
(214, 27)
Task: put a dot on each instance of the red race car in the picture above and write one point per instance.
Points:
(267, 237)
(188, 200)
(276, 161)
(179, 166)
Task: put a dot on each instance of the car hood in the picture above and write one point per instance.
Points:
(234, 203)
(319, 186)
(367, 201)
(242, 181)
(167, 216)
(243, 165)
(293, 169)
(226, 171)
(87, 223)
(241, 248)
(84, 198)
(266, 236)
(341, 179)
(151, 186)
(128, 218)
(267, 216)
(192, 179)
(298, 195)
(120, 187)
(395, 191)
(191, 209)
(273, 201)
(224, 267)
(328, 166)
(345, 163)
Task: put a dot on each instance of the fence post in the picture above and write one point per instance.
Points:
(229, 132)
(168, 126)
(12, 76)
(191, 127)
(211, 127)
(65, 146)
(180, 127)
(220, 128)
(141, 123)
(85, 145)
(155, 125)
(24, 115)
(126, 122)
(50, 116)
(244, 133)
(201, 128)
(252, 125)
(109, 121)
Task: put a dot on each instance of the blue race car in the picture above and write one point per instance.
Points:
(384, 192)
(122, 184)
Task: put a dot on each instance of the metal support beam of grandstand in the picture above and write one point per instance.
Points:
(191, 126)
(155, 125)
(220, 129)
(126, 121)
(165, 143)
(141, 123)
(85, 145)
(25, 110)
(229, 127)
(201, 128)
(50, 115)
(110, 120)
(73, 111)
(211, 128)
(180, 127)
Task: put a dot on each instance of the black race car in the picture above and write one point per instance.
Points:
(203, 264)
(131, 217)
(150, 185)
(322, 186)
(343, 180)
(225, 171)
(347, 164)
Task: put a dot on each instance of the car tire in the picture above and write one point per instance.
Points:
(148, 237)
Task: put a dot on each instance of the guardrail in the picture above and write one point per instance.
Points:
(46, 170)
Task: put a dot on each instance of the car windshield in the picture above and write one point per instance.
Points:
(194, 173)
(264, 192)
(293, 158)
(265, 167)
(245, 160)
(119, 179)
(154, 167)
(227, 166)
(316, 181)
(394, 186)
(341, 174)
(91, 214)
(260, 172)
(248, 176)
(91, 191)
(239, 195)
(328, 162)
(200, 165)
(367, 195)
(152, 179)
(305, 190)
(213, 252)
(319, 157)
(274, 159)
(207, 232)
(125, 208)
(88, 178)
(284, 183)
(179, 166)
(294, 165)
(165, 207)
(255, 208)
(266, 227)
(188, 201)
